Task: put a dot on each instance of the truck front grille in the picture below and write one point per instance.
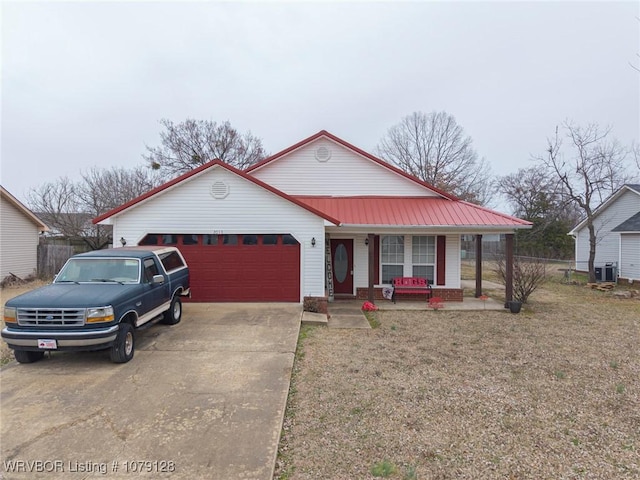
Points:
(51, 317)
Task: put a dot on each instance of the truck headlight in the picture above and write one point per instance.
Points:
(102, 314)
(10, 315)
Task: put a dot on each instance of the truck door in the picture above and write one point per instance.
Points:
(157, 293)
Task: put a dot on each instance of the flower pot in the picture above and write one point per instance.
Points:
(515, 306)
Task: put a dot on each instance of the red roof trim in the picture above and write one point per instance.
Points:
(201, 169)
(324, 133)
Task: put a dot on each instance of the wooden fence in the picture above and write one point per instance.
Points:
(51, 258)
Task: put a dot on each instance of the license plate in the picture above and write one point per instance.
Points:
(47, 344)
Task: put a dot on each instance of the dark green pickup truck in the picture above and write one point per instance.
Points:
(98, 301)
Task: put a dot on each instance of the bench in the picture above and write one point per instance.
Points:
(411, 285)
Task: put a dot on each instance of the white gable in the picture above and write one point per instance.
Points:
(215, 201)
(324, 167)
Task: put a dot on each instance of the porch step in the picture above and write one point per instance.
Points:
(315, 319)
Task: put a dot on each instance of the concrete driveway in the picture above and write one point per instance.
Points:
(203, 399)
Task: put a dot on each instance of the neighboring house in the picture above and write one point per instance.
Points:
(617, 227)
(321, 218)
(19, 231)
(629, 263)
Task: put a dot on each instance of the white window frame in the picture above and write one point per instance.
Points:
(408, 257)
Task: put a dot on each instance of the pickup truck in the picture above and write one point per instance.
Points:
(98, 300)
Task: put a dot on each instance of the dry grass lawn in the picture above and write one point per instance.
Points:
(551, 393)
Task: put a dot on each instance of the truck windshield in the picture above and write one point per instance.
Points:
(123, 270)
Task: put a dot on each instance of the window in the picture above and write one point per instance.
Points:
(270, 239)
(150, 269)
(230, 239)
(190, 239)
(210, 239)
(249, 239)
(289, 239)
(392, 257)
(151, 239)
(423, 257)
(171, 261)
(168, 239)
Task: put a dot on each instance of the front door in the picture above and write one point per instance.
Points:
(342, 260)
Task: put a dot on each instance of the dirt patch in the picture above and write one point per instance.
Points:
(553, 392)
(7, 293)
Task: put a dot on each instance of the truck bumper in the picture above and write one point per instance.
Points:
(82, 340)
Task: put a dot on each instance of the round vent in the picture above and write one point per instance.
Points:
(323, 154)
(219, 190)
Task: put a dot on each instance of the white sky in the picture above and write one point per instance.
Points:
(85, 84)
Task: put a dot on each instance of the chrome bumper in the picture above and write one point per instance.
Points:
(89, 338)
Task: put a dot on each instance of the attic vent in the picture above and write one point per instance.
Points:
(323, 154)
(219, 190)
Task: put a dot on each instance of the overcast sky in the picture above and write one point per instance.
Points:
(85, 83)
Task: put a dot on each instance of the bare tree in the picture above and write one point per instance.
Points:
(104, 189)
(434, 148)
(536, 196)
(68, 207)
(189, 144)
(594, 168)
(528, 275)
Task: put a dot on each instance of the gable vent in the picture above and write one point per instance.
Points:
(219, 190)
(323, 154)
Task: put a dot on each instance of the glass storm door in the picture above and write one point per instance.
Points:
(342, 260)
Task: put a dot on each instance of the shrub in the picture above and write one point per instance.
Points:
(528, 274)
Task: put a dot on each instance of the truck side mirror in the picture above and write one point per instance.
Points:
(157, 279)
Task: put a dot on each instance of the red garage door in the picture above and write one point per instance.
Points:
(238, 268)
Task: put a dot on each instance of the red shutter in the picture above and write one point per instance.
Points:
(440, 260)
(376, 255)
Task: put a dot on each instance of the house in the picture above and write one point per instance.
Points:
(19, 232)
(617, 231)
(629, 263)
(321, 218)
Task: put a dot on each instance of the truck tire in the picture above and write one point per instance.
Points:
(123, 347)
(25, 356)
(174, 314)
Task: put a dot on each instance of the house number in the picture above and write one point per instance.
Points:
(217, 232)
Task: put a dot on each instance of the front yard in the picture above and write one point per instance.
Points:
(553, 392)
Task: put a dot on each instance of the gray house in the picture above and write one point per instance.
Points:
(19, 231)
(617, 225)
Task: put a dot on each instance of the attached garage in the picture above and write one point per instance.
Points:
(238, 267)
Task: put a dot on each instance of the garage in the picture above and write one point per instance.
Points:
(238, 267)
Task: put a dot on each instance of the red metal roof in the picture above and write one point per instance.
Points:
(410, 211)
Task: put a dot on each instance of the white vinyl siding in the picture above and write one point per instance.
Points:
(607, 242)
(247, 209)
(346, 173)
(18, 242)
(629, 266)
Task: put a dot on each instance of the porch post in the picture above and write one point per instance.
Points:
(478, 266)
(508, 290)
(372, 266)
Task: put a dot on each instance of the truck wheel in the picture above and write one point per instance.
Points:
(122, 349)
(174, 314)
(25, 356)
